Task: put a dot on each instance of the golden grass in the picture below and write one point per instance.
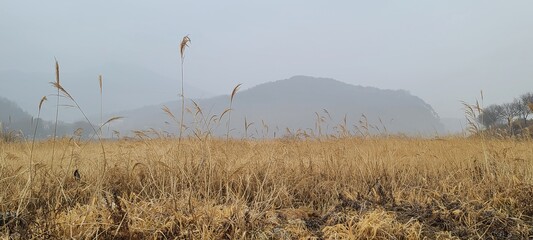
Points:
(352, 188)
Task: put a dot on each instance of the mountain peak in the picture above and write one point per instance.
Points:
(294, 103)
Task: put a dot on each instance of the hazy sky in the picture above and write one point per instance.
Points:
(441, 51)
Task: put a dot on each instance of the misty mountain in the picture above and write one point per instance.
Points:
(15, 120)
(297, 103)
(124, 87)
(10, 111)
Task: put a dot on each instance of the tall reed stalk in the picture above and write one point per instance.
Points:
(57, 117)
(67, 95)
(184, 44)
(27, 191)
(230, 108)
(34, 136)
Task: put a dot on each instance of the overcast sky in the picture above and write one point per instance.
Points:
(441, 51)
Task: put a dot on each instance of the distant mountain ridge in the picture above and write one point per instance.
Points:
(15, 120)
(124, 87)
(294, 103)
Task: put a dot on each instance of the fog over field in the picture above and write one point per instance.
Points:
(241, 119)
(441, 52)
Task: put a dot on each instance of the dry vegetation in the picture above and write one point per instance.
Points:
(351, 188)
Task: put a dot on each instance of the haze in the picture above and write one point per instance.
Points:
(440, 51)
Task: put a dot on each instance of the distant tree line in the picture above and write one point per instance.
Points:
(506, 114)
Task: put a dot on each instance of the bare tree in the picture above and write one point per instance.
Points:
(491, 115)
(510, 112)
(525, 101)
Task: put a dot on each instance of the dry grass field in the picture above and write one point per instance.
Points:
(351, 188)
